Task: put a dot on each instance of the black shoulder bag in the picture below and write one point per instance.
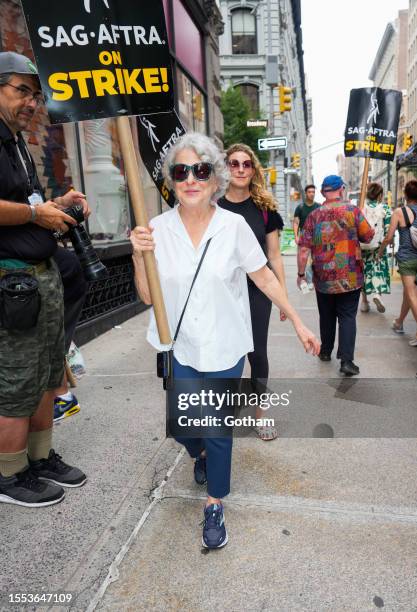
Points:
(165, 359)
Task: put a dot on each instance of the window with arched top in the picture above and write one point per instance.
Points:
(251, 94)
(243, 32)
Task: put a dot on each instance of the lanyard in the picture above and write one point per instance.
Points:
(23, 161)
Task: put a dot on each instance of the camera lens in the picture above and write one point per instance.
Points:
(92, 267)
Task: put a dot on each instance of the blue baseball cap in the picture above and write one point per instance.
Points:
(332, 183)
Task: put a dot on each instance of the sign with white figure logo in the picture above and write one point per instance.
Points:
(101, 58)
(87, 4)
(157, 134)
(372, 123)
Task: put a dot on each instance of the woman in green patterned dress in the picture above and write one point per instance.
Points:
(376, 270)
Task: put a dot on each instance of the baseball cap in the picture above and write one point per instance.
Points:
(17, 64)
(332, 183)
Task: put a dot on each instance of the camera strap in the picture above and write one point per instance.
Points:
(189, 293)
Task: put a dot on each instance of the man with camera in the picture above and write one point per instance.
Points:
(31, 304)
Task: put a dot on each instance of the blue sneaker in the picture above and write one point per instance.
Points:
(65, 408)
(214, 530)
(200, 473)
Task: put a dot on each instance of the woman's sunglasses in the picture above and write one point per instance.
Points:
(234, 164)
(201, 171)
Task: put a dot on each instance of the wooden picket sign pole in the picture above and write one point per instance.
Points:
(364, 183)
(141, 218)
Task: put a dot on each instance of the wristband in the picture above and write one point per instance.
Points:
(301, 275)
(32, 212)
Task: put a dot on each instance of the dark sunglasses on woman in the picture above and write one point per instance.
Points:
(201, 171)
(235, 164)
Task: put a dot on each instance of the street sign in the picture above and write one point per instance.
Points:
(257, 123)
(290, 171)
(276, 142)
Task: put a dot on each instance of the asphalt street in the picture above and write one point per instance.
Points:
(315, 523)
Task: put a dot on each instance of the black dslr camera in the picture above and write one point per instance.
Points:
(92, 267)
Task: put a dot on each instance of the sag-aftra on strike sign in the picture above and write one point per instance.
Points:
(101, 58)
(372, 123)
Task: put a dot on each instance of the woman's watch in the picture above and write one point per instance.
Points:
(301, 275)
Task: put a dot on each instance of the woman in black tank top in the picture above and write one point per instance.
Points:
(401, 220)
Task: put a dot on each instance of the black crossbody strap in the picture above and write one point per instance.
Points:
(189, 293)
(406, 217)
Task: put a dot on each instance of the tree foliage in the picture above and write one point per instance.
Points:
(236, 111)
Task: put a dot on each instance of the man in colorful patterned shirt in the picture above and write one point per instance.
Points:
(332, 233)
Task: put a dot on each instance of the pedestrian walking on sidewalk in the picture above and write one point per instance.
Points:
(398, 323)
(247, 195)
(376, 269)
(216, 334)
(300, 216)
(332, 234)
(401, 220)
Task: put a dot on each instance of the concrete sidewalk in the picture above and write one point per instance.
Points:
(314, 524)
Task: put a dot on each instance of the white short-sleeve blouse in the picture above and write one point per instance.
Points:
(216, 329)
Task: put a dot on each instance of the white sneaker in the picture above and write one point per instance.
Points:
(365, 307)
(399, 329)
(378, 303)
(413, 342)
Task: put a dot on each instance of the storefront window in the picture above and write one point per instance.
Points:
(243, 32)
(191, 103)
(188, 43)
(53, 148)
(105, 183)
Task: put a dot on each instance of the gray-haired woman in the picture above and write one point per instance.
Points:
(216, 333)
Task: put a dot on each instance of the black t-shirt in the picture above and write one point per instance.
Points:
(303, 210)
(255, 219)
(27, 242)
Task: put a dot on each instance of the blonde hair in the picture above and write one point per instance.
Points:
(263, 199)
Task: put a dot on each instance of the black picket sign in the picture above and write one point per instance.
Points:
(101, 58)
(372, 123)
(157, 133)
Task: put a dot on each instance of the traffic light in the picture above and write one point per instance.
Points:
(272, 176)
(285, 99)
(407, 141)
(295, 160)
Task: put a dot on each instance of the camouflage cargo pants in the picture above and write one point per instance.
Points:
(32, 361)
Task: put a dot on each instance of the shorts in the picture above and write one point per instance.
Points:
(32, 361)
(408, 268)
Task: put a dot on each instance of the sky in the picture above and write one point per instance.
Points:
(340, 41)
